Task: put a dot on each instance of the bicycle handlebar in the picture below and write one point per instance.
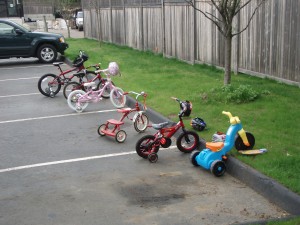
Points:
(227, 114)
(144, 94)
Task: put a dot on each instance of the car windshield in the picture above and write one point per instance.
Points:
(80, 14)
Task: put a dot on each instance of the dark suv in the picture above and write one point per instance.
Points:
(17, 41)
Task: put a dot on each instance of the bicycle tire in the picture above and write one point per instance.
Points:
(71, 86)
(141, 123)
(43, 84)
(142, 146)
(73, 98)
(117, 98)
(187, 141)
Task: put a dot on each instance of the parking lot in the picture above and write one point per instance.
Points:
(56, 169)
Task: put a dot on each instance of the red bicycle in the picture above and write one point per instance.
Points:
(50, 84)
(148, 146)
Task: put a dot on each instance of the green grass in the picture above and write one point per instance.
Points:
(273, 118)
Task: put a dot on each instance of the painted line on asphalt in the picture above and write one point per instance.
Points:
(56, 116)
(25, 67)
(22, 78)
(71, 160)
(19, 95)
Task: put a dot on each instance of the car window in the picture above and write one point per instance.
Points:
(6, 29)
(80, 14)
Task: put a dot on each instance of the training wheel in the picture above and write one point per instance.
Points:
(153, 157)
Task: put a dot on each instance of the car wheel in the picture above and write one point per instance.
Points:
(47, 53)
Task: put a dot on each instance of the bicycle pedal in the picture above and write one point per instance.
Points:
(52, 94)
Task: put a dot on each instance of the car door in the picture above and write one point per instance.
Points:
(13, 41)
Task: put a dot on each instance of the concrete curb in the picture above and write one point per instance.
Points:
(267, 187)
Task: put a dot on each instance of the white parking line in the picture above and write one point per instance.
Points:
(25, 67)
(24, 78)
(56, 116)
(19, 95)
(71, 160)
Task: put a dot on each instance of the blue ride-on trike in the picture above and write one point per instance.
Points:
(213, 157)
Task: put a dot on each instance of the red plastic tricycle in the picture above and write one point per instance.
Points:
(140, 120)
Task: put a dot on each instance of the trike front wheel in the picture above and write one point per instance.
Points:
(239, 144)
(49, 85)
(146, 146)
(141, 122)
(187, 141)
(73, 101)
(117, 97)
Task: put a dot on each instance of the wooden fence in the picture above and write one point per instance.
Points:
(268, 48)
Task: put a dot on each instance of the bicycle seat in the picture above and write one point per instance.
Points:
(90, 84)
(80, 74)
(158, 126)
(57, 63)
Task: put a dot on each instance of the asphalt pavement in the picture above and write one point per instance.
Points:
(56, 169)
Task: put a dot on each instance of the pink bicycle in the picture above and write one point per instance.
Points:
(140, 120)
(78, 100)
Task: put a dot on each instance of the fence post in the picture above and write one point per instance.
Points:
(163, 27)
(237, 45)
(124, 20)
(111, 23)
(142, 25)
(194, 36)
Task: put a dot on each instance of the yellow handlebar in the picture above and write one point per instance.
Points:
(233, 119)
(228, 114)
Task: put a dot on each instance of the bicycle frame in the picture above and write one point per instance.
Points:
(136, 108)
(63, 73)
(95, 95)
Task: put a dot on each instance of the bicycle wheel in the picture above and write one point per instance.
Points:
(73, 99)
(187, 141)
(146, 146)
(117, 98)
(141, 122)
(106, 91)
(71, 86)
(90, 75)
(49, 85)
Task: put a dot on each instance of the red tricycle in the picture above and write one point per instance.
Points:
(140, 120)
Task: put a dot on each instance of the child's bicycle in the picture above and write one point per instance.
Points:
(78, 100)
(50, 84)
(187, 141)
(74, 85)
(140, 120)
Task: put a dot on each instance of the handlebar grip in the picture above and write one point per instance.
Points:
(227, 113)
(176, 99)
